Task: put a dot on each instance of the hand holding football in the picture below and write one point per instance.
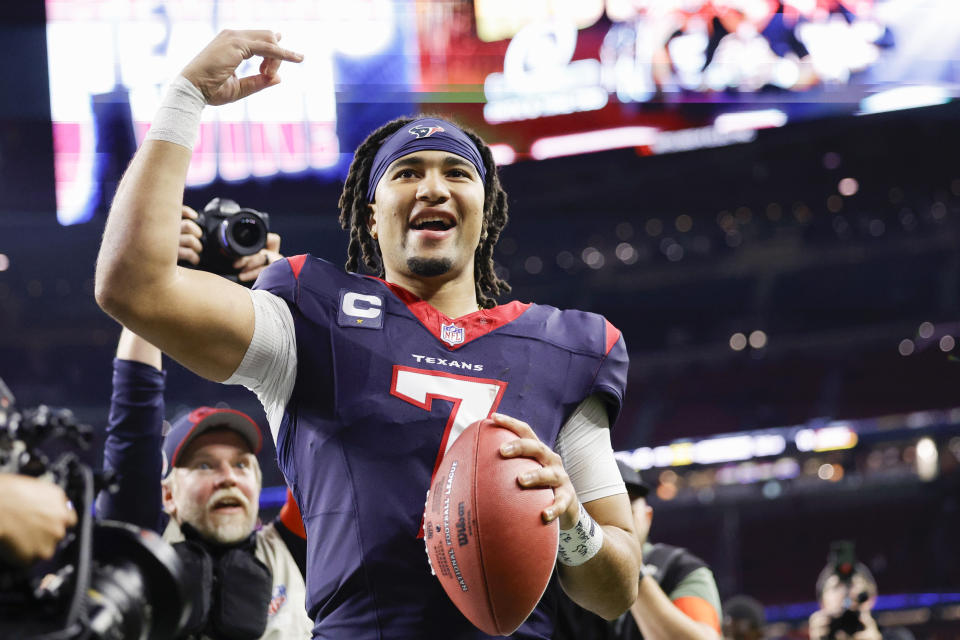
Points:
(485, 536)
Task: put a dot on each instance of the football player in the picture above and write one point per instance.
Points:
(366, 381)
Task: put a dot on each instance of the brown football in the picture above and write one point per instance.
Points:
(485, 537)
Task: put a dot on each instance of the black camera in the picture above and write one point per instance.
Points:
(230, 232)
(848, 622)
(108, 580)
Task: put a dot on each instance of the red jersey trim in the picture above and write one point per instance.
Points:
(613, 334)
(474, 325)
(296, 264)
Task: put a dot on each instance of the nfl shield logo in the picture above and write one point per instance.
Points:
(451, 334)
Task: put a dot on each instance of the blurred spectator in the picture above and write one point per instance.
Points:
(677, 598)
(847, 597)
(743, 618)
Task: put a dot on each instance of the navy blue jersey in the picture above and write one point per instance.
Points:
(384, 385)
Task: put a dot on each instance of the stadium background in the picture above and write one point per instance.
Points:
(787, 279)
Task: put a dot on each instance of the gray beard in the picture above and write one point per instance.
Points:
(429, 267)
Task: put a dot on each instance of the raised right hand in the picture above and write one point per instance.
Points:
(213, 70)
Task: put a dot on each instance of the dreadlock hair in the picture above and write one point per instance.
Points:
(355, 214)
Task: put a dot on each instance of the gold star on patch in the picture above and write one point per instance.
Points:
(359, 320)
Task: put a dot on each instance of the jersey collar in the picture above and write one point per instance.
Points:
(456, 332)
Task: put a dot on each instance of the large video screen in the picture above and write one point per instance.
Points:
(539, 79)
(549, 78)
(110, 61)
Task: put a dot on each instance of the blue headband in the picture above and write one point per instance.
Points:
(424, 134)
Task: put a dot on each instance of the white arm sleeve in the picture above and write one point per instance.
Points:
(587, 454)
(269, 367)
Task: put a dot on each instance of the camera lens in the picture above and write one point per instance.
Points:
(243, 234)
(135, 567)
(246, 233)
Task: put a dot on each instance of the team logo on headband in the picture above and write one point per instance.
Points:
(424, 131)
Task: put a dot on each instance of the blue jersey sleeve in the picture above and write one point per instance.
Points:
(282, 278)
(611, 379)
(133, 446)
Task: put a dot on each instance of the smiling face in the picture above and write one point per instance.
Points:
(216, 487)
(427, 216)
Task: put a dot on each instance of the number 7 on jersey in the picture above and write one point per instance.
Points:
(473, 398)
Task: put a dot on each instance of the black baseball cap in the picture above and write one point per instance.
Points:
(636, 487)
(201, 420)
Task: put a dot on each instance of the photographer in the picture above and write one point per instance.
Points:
(847, 592)
(204, 478)
(34, 517)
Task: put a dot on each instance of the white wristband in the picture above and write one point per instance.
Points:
(178, 118)
(582, 542)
